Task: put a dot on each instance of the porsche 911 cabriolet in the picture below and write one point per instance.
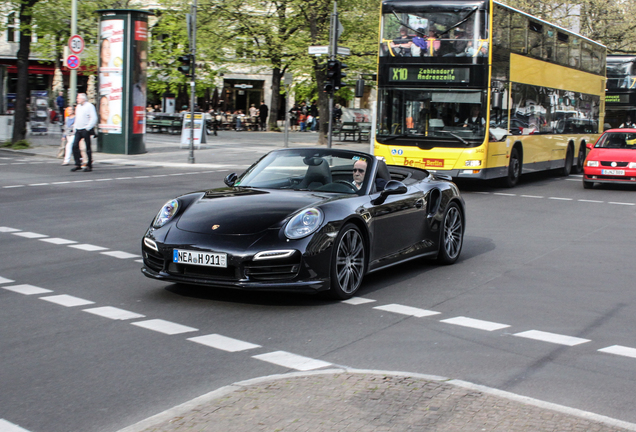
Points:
(306, 220)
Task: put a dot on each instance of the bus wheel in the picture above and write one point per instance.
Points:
(581, 160)
(569, 158)
(514, 170)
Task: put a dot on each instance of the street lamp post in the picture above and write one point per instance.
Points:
(73, 78)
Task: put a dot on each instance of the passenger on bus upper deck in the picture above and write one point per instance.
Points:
(403, 43)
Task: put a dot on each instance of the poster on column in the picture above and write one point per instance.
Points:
(140, 65)
(111, 76)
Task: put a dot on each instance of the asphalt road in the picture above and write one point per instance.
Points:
(540, 303)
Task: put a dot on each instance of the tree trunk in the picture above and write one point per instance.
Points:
(275, 100)
(22, 90)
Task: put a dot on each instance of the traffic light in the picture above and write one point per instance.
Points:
(187, 65)
(330, 75)
(340, 75)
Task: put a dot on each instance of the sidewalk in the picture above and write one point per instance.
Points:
(378, 401)
(228, 149)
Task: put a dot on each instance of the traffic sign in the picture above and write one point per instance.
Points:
(72, 61)
(76, 44)
(319, 49)
(344, 51)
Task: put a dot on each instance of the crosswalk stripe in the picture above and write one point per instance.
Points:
(114, 313)
(357, 301)
(406, 310)
(8, 229)
(58, 241)
(5, 280)
(475, 323)
(88, 247)
(292, 361)
(620, 350)
(552, 337)
(30, 235)
(120, 254)
(6, 426)
(165, 327)
(27, 289)
(223, 343)
(67, 300)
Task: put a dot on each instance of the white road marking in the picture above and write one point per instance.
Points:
(60, 182)
(88, 247)
(532, 196)
(30, 235)
(165, 327)
(12, 186)
(552, 337)
(114, 313)
(621, 203)
(120, 254)
(140, 261)
(406, 310)
(82, 181)
(6, 426)
(39, 184)
(58, 241)
(160, 175)
(123, 178)
(560, 199)
(475, 323)
(27, 289)
(620, 350)
(591, 201)
(357, 301)
(104, 179)
(223, 343)
(504, 194)
(292, 361)
(8, 230)
(5, 280)
(67, 300)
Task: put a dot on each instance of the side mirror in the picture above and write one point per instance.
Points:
(393, 187)
(589, 146)
(230, 179)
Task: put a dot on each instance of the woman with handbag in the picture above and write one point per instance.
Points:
(69, 135)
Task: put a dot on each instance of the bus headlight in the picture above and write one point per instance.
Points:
(592, 163)
(472, 163)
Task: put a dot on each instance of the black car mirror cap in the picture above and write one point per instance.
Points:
(230, 179)
(393, 187)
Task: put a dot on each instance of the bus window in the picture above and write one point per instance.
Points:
(501, 27)
(575, 52)
(586, 57)
(518, 33)
(563, 49)
(535, 39)
(548, 44)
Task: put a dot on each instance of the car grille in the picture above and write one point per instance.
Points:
(271, 272)
(228, 273)
(152, 260)
(618, 164)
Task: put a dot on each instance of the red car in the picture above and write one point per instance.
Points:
(612, 159)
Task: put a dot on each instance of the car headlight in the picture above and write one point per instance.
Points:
(166, 213)
(592, 163)
(632, 165)
(304, 223)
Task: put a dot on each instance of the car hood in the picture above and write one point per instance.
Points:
(613, 155)
(236, 211)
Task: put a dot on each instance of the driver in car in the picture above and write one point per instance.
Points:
(359, 170)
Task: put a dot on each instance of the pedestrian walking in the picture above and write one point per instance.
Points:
(68, 136)
(61, 104)
(263, 112)
(85, 121)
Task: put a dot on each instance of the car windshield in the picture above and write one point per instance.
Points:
(618, 140)
(317, 170)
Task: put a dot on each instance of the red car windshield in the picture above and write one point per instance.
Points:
(618, 140)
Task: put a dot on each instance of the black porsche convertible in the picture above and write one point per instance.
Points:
(306, 220)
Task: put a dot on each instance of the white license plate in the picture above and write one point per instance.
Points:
(613, 172)
(181, 256)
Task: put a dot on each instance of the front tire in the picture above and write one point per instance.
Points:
(514, 170)
(569, 159)
(581, 159)
(452, 235)
(348, 263)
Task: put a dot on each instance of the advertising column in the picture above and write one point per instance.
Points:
(123, 60)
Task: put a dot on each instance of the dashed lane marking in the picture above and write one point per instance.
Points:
(6, 426)
(8, 230)
(406, 310)
(560, 199)
(475, 323)
(292, 361)
(551, 198)
(67, 300)
(358, 301)
(88, 247)
(621, 203)
(114, 313)
(552, 337)
(58, 241)
(165, 327)
(532, 196)
(120, 254)
(620, 350)
(30, 235)
(27, 289)
(5, 280)
(223, 343)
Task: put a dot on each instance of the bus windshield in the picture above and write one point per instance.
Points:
(434, 30)
(455, 117)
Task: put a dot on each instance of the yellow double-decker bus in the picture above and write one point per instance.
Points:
(479, 90)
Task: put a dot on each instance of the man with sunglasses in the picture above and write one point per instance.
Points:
(359, 170)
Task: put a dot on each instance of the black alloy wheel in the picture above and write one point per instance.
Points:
(452, 235)
(348, 263)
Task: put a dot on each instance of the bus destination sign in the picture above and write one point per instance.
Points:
(429, 74)
(617, 98)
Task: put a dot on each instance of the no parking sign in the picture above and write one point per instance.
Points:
(73, 61)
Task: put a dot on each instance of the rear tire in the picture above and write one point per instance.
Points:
(348, 263)
(451, 236)
(569, 159)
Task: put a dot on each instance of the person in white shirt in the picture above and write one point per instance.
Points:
(85, 121)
